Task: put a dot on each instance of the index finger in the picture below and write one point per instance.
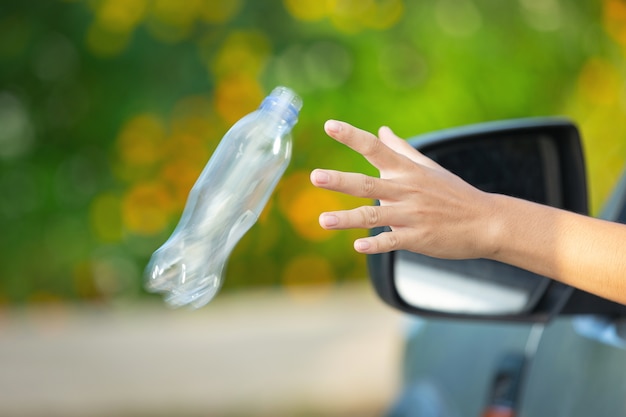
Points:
(363, 142)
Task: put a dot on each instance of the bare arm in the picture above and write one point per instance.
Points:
(433, 212)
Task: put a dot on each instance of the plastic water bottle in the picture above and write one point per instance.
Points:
(225, 202)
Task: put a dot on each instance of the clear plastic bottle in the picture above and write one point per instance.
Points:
(225, 202)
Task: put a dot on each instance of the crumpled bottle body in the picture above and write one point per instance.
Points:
(225, 202)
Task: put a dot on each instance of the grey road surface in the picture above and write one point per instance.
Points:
(320, 352)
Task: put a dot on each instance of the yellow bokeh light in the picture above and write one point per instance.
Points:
(301, 203)
(348, 16)
(289, 186)
(179, 175)
(309, 10)
(383, 15)
(121, 15)
(219, 11)
(615, 19)
(115, 21)
(237, 95)
(147, 208)
(141, 140)
(599, 109)
(175, 12)
(304, 212)
(172, 20)
(604, 158)
(600, 82)
(242, 52)
(308, 277)
(105, 218)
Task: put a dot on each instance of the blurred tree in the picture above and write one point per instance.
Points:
(109, 109)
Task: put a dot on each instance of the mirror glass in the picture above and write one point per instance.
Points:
(522, 166)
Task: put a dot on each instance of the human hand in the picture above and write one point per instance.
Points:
(429, 209)
(434, 212)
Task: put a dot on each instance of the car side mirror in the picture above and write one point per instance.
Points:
(537, 159)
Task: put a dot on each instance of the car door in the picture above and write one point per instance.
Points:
(574, 366)
(579, 368)
(574, 375)
(451, 367)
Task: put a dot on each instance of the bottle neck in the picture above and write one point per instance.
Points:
(283, 103)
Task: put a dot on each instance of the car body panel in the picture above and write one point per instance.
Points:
(448, 365)
(574, 376)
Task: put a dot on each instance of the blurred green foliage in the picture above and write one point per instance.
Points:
(109, 109)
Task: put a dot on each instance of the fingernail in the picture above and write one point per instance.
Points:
(361, 245)
(386, 128)
(332, 126)
(321, 177)
(330, 220)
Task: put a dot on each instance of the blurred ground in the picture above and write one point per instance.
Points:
(246, 354)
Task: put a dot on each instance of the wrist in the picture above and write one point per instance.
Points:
(497, 225)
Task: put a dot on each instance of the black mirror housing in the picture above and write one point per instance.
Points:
(538, 159)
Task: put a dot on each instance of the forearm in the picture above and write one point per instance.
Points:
(581, 251)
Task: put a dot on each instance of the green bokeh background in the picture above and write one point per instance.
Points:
(109, 109)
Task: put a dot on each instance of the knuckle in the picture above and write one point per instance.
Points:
(368, 186)
(393, 242)
(371, 216)
(371, 147)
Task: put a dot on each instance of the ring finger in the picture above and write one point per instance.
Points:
(365, 217)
